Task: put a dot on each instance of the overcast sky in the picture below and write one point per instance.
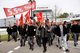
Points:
(65, 5)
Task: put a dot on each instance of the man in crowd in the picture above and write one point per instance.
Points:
(47, 28)
(22, 39)
(9, 31)
(38, 35)
(14, 32)
(61, 32)
(44, 36)
(31, 34)
(75, 31)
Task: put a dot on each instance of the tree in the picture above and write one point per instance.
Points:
(64, 15)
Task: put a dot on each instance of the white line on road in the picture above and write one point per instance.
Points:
(17, 48)
(10, 51)
(64, 52)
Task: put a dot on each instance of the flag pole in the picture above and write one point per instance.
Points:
(31, 7)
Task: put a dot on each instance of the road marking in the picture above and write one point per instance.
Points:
(64, 52)
(17, 48)
(10, 51)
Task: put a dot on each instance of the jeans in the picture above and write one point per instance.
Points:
(22, 40)
(65, 42)
(31, 41)
(75, 37)
(14, 35)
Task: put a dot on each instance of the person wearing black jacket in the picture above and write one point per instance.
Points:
(75, 31)
(22, 34)
(9, 31)
(79, 27)
(14, 32)
(48, 33)
(65, 35)
(26, 28)
(38, 35)
(69, 30)
(31, 33)
(44, 36)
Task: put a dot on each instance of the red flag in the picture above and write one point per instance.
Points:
(28, 16)
(39, 16)
(21, 20)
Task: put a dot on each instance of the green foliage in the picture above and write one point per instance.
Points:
(64, 15)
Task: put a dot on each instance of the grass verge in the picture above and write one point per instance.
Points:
(4, 37)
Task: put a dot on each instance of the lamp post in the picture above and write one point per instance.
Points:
(55, 12)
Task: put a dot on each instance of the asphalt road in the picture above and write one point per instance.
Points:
(13, 47)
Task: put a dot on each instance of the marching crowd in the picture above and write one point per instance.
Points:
(45, 33)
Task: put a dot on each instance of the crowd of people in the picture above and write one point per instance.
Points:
(45, 33)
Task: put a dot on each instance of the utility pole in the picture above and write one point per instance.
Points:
(55, 13)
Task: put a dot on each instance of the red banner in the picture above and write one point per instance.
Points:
(20, 9)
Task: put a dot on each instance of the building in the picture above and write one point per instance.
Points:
(7, 21)
(46, 13)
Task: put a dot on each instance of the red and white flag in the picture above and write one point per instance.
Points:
(20, 9)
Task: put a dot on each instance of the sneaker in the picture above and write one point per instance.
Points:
(32, 49)
(75, 45)
(20, 45)
(67, 50)
(56, 45)
(44, 51)
(60, 47)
